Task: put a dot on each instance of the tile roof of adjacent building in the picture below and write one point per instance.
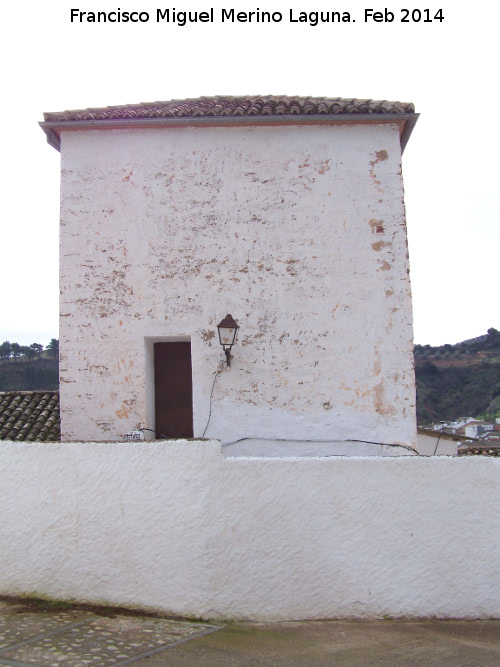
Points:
(30, 416)
(266, 105)
(483, 449)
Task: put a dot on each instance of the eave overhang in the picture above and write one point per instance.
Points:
(405, 122)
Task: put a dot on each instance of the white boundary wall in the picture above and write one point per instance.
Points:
(177, 527)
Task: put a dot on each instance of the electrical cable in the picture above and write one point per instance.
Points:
(366, 442)
(217, 373)
(437, 443)
(226, 444)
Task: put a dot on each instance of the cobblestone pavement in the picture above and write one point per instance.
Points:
(41, 637)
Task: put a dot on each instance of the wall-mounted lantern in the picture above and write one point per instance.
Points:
(228, 330)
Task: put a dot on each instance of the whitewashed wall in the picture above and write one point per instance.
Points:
(177, 527)
(429, 445)
(298, 232)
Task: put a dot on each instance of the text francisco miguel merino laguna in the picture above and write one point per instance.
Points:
(181, 18)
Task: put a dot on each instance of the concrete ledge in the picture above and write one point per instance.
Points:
(177, 527)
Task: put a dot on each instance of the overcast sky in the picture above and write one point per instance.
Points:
(448, 68)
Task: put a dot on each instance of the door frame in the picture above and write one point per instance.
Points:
(149, 350)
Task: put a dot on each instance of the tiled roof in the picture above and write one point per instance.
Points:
(483, 449)
(266, 105)
(29, 415)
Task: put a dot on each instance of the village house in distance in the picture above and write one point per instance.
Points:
(286, 213)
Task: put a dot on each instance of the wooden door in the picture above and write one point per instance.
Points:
(173, 390)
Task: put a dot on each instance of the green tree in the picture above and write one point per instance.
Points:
(53, 347)
(38, 349)
(5, 350)
(493, 339)
(16, 351)
(28, 352)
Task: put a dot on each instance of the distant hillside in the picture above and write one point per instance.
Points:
(461, 380)
(23, 375)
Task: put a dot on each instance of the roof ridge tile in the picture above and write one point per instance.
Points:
(227, 105)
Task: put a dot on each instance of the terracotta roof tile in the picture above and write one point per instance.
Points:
(29, 416)
(483, 449)
(266, 105)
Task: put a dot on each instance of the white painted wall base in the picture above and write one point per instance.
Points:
(178, 527)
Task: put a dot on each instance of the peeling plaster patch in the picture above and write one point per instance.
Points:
(291, 269)
(207, 336)
(385, 266)
(99, 370)
(123, 412)
(380, 157)
(377, 226)
(379, 245)
(380, 401)
(105, 426)
(324, 167)
(126, 407)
